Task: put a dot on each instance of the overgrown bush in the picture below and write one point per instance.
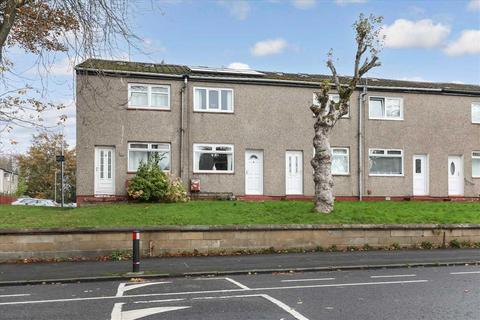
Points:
(151, 184)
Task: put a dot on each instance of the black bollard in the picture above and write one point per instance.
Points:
(136, 251)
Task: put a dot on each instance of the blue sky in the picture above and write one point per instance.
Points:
(425, 40)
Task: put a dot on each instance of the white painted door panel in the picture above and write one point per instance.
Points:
(420, 175)
(253, 172)
(455, 176)
(294, 172)
(104, 171)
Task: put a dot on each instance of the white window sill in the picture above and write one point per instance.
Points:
(341, 174)
(385, 175)
(213, 171)
(386, 119)
(213, 111)
(148, 108)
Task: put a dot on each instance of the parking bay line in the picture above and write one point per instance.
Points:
(14, 295)
(305, 280)
(465, 272)
(216, 291)
(393, 276)
(276, 302)
(238, 284)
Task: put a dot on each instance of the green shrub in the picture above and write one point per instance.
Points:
(151, 184)
(426, 245)
(455, 244)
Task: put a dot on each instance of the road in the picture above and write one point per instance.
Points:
(402, 293)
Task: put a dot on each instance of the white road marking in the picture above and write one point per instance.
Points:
(14, 295)
(122, 287)
(278, 303)
(465, 272)
(238, 284)
(118, 314)
(156, 301)
(215, 291)
(394, 276)
(302, 280)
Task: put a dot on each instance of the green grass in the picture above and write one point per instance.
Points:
(237, 212)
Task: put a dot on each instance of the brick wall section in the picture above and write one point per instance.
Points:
(57, 243)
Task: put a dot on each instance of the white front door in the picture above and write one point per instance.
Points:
(104, 171)
(420, 175)
(455, 176)
(294, 172)
(254, 172)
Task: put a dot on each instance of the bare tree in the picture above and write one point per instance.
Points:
(327, 112)
(79, 28)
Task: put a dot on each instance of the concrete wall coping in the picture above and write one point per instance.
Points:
(216, 228)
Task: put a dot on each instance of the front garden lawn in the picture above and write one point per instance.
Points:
(237, 212)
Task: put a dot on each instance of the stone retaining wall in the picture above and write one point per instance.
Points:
(62, 243)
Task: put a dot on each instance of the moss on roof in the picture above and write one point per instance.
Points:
(171, 69)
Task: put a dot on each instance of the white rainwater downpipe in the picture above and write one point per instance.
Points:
(360, 141)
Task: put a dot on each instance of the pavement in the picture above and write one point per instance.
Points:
(436, 293)
(20, 274)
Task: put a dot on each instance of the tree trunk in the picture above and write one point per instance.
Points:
(321, 163)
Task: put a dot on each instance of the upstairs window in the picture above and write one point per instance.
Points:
(476, 164)
(385, 162)
(340, 161)
(333, 97)
(213, 100)
(148, 96)
(385, 108)
(141, 151)
(476, 112)
(213, 158)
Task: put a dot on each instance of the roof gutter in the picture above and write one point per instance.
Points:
(179, 76)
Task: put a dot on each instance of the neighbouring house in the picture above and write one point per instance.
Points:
(249, 133)
(8, 181)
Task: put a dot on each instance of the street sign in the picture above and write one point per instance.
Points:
(60, 158)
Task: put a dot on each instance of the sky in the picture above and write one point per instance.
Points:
(432, 40)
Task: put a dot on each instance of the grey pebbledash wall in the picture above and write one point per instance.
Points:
(63, 243)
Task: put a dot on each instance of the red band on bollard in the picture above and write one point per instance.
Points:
(136, 235)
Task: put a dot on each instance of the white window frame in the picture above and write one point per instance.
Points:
(386, 155)
(400, 118)
(477, 105)
(149, 96)
(149, 149)
(348, 160)
(213, 146)
(475, 157)
(197, 108)
(330, 96)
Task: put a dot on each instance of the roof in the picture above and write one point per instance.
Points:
(208, 73)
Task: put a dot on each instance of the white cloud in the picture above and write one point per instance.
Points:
(63, 67)
(239, 8)
(474, 5)
(467, 43)
(415, 34)
(268, 47)
(414, 78)
(303, 4)
(238, 66)
(345, 2)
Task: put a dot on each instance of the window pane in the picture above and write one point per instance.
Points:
(378, 152)
(139, 146)
(418, 166)
(139, 88)
(213, 99)
(159, 100)
(226, 100)
(201, 99)
(339, 151)
(160, 90)
(139, 99)
(385, 165)
(134, 159)
(476, 167)
(205, 161)
(222, 148)
(163, 159)
(339, 164)
(102, 164)
(392, 107)
(109, 163)
(376, 109)
(476, 112)
(334, 97)
(394, 152)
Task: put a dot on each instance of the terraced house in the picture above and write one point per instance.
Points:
(249, 133)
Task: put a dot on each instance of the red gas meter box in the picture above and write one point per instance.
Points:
(195, 185)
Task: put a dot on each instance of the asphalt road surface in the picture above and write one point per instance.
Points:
(404, 293)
